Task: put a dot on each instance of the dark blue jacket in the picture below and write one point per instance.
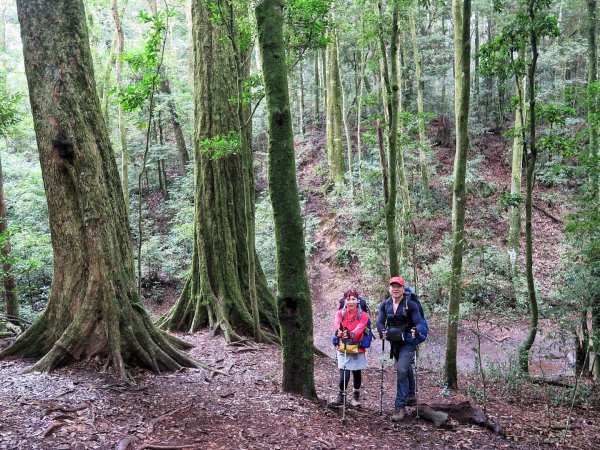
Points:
(407, 313)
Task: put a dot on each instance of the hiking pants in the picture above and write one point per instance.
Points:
(403, 369)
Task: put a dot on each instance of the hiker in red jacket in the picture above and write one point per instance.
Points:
(349, 326)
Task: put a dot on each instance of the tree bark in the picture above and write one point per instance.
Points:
(93, 307)
(8, 280)
(317, 87)
(461, 11)
(119, 80)
(392, 101)
(293, 297)
(531, 158)
(514, 232)
(182, 152)
(218, 291)
(420, 110)
(335, 148)
(595, 189)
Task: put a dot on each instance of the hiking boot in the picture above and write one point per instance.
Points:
(338, 400)
(399, 415)
(411, 401)
(355, 400)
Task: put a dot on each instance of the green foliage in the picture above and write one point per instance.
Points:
(145, 63)
(306, 25)
(507, 200)
(10, 112)
(220, 146)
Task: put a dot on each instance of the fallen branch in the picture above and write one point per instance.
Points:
(546, 213)
(53, 426)
(158, 419)
(550, 381)
(165, 447)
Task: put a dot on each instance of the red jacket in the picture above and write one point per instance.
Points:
(354, 325)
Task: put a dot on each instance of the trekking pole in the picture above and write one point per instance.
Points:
(344, 384)
(417, 378)
(381, 389)
(331, 382)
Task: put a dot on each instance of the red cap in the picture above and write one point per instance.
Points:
(398, 280)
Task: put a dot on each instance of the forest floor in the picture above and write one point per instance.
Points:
(81, 407)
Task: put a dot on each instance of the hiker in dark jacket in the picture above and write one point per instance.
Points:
(398, 318)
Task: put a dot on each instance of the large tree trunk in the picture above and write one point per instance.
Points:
(93, 307)
(461, 11)
(217, 293)
(293, 297)
(595, 153)
(335, 148)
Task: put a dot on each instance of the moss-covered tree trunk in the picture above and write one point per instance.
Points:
(217, 292)
(93, 307)
(335, 147)
(595, 189)
(293, 296)
(391, 77)
(531, 159)
(461, 11)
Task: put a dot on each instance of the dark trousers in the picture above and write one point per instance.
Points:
(404, 374)
(345, 378)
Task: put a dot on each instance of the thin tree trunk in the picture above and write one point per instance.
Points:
(593, 125)
(345, 119)
(335, 148)
(392, 95)
(295, 309)
(119, 80)
(317, 86)
(531, 160)
(93, 308)
(301, 97)
(420, 110)
(514, 232)
(461, 12)
(8, 280)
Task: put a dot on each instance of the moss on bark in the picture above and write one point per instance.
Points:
(293, 297)
(93, 307)
(217, 292)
